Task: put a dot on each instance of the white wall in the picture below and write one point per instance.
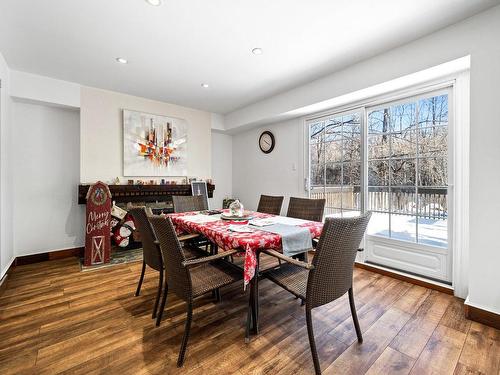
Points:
(42, 89)
(6, 250)
(102, 133)
(277, 173)
(222, 168)
(477, 36)
(46, 214)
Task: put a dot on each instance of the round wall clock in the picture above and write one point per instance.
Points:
(266, 142)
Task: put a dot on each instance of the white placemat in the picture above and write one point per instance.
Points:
(200, 218)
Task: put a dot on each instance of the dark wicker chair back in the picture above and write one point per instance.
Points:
(306, 209)
(270, 205)
(189, 203)
(334, 259)
(178, 278)
(151, 253)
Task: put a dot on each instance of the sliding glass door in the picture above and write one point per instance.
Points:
(392, 159)
(408, 170)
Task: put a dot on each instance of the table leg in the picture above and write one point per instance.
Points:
(214, 249)
(249, 314)
(256, 297)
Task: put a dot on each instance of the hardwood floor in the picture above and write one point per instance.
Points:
(56, 319)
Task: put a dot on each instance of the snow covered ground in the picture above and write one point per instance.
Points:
(433, 232)
(403, 227)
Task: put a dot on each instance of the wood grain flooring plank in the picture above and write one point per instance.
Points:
(454, 316)
(441, 353)
(415, 334)
(481, 352)
(358, 358)
(391, 362)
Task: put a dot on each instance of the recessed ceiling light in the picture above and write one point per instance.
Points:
(121, 60)
(154, 3)
(257, 51)
(204, 85)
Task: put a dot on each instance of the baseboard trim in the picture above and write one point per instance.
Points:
(50, 255)
(407, 278)
(482, 316)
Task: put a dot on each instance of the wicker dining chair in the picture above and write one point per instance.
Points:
(189, 279)
(189, 203)
(330, 274)
(270, 204)
(306, 209)
(152, 256)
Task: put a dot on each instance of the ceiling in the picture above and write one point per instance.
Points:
(174, 48)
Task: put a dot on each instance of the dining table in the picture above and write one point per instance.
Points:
(221, 233)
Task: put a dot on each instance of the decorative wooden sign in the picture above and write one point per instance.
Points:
(97, 228)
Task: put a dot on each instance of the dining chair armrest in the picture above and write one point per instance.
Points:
(290, 260)
(182, 238)
(197, 261)
(188, 237)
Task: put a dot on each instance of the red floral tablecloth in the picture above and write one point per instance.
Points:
(218, 232)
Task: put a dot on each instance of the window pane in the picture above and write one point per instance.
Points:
(433, 141)
(378, 173)
(378, 147)
(333, 152)
(333, 196)
(403, 117)
(339, 153)
(352, 125)
(404, 144)
(378, 121)
(333, 129)
(433, 202)
(316, 131)
(403, 172)
(352, 147)
(316, 150)
(404, 200)
(403, 213)
(351, 197)
(433, 111)
(352, 174)
(433, 232)
(433, 172)
(317, 174)
(317, 192)
(379, 224)
(334, 174)
(404, 227)
(378, 198)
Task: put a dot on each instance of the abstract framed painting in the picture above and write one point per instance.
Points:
(154, 145)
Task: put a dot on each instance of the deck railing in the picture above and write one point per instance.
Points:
(428, 202)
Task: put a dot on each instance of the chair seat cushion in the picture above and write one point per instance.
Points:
(209, 276)
(291, 278)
